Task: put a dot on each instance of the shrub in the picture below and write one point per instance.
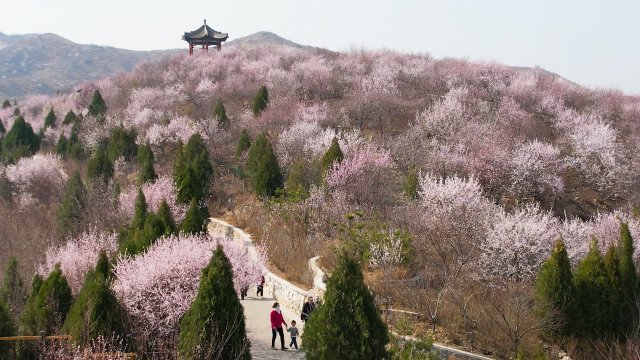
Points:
(97, 107)
(19, 141)
(261, 101)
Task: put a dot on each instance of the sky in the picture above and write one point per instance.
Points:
(594, 43)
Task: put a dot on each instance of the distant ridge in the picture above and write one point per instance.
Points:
(264, 38)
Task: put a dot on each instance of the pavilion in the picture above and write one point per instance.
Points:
(204, 36)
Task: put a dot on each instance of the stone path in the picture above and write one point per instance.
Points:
(257, 312)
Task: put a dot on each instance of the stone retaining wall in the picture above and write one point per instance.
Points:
(287, 294)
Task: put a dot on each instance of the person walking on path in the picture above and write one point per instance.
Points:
(293, 331)
(307, 308)
(260, 288)
(276, 326)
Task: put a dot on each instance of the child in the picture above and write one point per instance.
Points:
(293, 330)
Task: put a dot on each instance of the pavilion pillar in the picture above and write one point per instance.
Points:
(190, 49)
(219, 46)
(206, 48)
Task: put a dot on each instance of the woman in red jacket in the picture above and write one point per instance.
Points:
(276, 326)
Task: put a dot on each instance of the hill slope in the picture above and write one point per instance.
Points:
(46, 63)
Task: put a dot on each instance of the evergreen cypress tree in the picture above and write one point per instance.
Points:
(268, 178)
(16, 112)
(140, 211)
(193, 170)
(593, 294)
(100, 166)
(555, 291)
(122, 142)
(628, 275)
(97, 107)
(28, 350)
(70, 118)
(164, 214)
(244, 143)
(296, 186)
(348, 325)
(50, 305)
(50, 120)
(257, 150)
(214, 325)
(145, 161)
(614, 322)
(7, 328)
(2, 129)
(73, 204)
(221, 114)
(193, 222)
(96, 312)
(333, 154)
(75, 149)
(13, 292)
(20, 141)
(103, 266)
(6, 104)
(410, 185)
(261, 101)
(62, 146)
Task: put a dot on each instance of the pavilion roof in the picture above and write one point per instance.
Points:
(205, 32)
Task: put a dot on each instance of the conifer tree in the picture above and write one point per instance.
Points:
(2, 129)
(244, 143)
(164, 214)
(6, 104)
(268, 178)
(295, 185)
(50, 119)
(221, 114)
(628, 276)
(257, 150)
(193, 170)
(73, 205)
(16, 112)
(20, 141)
(50, 306)
(70, 118)
(145, 161)
(97, 107)
(555, 291)
(7, 328)
(122, 142)
(75, 149)
(214, 325)
(28, 350)
(193, 222)
(410, 185)
(96, 311)
(13, 292)
(333, 154)
(261, 101)
(100, 166)
(62, 146)
(614, 321)
(593, 295)
(348, 325)
(140, 211)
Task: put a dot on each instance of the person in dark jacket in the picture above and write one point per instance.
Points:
(307, 308)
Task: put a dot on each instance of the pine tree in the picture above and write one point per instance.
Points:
(164, 214)
(7, 328)
(555, 291)
(20, 141)
(296, 185)
(348, 325)
(75, 149)
(145, 161)
(614, 321)
(13, 292)
(214, 325)
(99, 166)
(333, 154)
(28, 350)
(62, 146)
(261, 101)
(193, 222)
(97, 107)
(16, 112)
(96, 311)
(6, 104)
(593, 294)
(257, 150)
(268, 178)
(628, 275)
(244, 143)
(221, 114)
(70, 118)
(410, 185)
(50, 120)
(48, 309)
(73, 205)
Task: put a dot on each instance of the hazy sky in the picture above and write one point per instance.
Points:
(594, 43)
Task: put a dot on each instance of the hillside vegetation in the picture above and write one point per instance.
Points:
(450, 181)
